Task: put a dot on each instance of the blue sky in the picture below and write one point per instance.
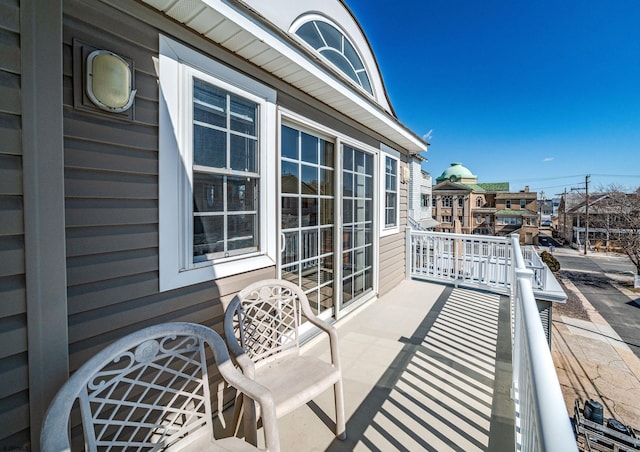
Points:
(536, 93)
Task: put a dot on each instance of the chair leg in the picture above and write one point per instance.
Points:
(250, 421)
(238, 410)
(341, 429)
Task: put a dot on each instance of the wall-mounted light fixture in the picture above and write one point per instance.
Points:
(109, 81)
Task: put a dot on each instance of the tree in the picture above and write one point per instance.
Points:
(615, 217)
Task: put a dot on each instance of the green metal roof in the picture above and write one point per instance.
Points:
(495, 186)
(517, 213)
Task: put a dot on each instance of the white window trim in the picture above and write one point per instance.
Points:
(386, 151)
(177, 65)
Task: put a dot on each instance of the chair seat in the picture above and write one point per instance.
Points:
(295, 380)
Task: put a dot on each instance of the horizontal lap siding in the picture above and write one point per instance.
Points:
(111, 201)
(392, 250)
(14, 399)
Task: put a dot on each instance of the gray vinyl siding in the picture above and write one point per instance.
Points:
(393, 249)
(111, 197)
(14, 398)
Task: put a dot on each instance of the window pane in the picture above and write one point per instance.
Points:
(361, 189)
(309, 145)
(209, 147)
(309, 243)
(368, 159)
(243, 115)
(291, 274)
(208, 193)
(209, 115)
(211, 103)
(208, 235)
(331, 35)
(289, 143)
(368, 187)
(326, 182)
(309, 212)
(290, 253)
(242, 193)
(347, 184)
(364, 81)
(326, 269)
(326, 153)
(347, 162)
(242, 232)
(347, 211)
(309, 33)
(289, 177)
(290, 213)
(326, 211)
(309, 179)
(341, 63)
(359, 162)
(360, 206)
(351, 55)
(243, 154)
(326, 241)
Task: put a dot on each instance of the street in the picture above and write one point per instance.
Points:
(596, 275)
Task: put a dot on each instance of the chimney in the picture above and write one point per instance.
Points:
(526, 189)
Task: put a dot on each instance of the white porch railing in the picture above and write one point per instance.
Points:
(492, 263)
(470, 260)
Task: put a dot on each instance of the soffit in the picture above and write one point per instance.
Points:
(260, 44)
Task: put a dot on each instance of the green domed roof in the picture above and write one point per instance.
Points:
(455, 173)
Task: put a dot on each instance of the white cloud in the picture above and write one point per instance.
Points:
(427, 136)
(548, 159)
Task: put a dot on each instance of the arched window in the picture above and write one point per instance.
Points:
(335, 47)
(478, 201)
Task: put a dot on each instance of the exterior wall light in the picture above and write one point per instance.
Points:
(109, 81)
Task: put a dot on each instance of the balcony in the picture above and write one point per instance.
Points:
(453, 358)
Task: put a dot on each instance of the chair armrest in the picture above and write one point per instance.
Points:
(260, 394)
(333, 337)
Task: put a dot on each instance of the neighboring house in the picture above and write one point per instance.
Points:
(259, 142)
(420, 194)
(572, 217)
(518, 212)
(572, 221)
(461, 204)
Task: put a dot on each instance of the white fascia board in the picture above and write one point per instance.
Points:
(294, 56)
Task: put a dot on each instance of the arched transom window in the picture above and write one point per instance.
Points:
(334, 46)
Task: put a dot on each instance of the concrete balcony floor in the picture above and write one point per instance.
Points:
(425, 367)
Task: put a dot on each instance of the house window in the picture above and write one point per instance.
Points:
(434, 202)
(523, 203)
(478, 201)
(446, 218)
(335, 47)
(216, 202)
(425, 200)
(460, 202)
(487, 219)
(447, 201)
(507, 204)
(479, 219)
(391, 192)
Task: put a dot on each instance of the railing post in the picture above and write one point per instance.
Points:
(408, 257)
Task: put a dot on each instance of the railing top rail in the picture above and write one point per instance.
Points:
(467, 237)
(517, 251)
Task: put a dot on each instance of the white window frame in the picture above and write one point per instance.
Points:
(387, 152)
(523, 203)
(177, 66)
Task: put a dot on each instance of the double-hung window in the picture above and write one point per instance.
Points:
(390, 188)
(216, 204)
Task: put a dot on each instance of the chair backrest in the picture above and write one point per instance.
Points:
(146, 391)
(265, 318)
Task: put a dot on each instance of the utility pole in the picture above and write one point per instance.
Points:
(586, 214)
(564, 223)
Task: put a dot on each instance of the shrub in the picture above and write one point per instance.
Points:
(551, 261)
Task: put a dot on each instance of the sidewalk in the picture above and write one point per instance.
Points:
(593, 362)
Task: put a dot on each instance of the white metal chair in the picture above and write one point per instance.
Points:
(262, 329)
(150, 391)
